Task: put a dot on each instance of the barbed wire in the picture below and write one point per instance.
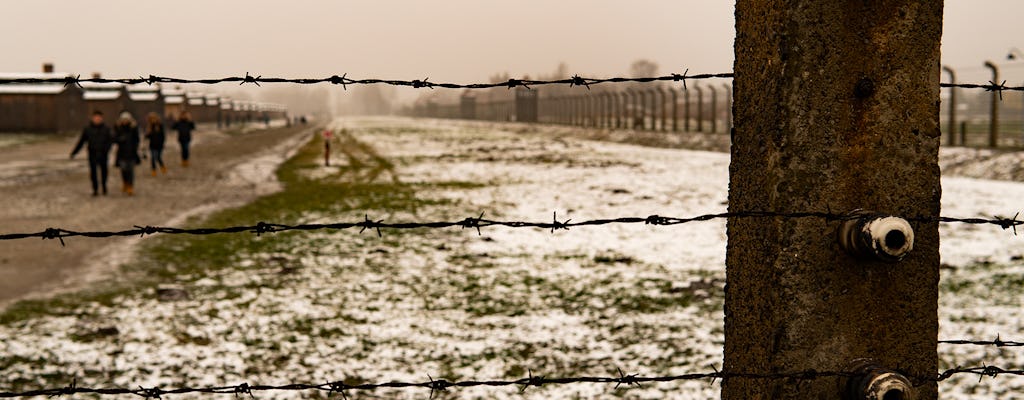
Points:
(344, 81)
(480, 222)
(442, 385)
(998, 342)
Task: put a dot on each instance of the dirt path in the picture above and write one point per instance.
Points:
(40, 188)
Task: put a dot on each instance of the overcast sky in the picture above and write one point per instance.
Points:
(445, 40)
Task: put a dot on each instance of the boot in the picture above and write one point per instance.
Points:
(154, 172)
(184, 163)
(124, 188)
(163, 169)
(129, 190)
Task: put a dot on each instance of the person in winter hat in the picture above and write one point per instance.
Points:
(126, 135)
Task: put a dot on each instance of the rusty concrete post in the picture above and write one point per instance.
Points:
(588, 109)
(620, 103)
(629, 108)
(584, 109)
(610, 119)
(951, 120)
(654, 109)
(665, 112)
(648, 107)
(591, 109)
(700, 107)
(607, 110)
(714, 108)
(836, 109)
(638, 109)
(728, 107)
(993, 123)
(686, 110)
(675, 109)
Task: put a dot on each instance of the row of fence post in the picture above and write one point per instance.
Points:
(956, 131)
(654, 109)
(649, 109)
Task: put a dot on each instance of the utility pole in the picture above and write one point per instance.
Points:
(834, 110)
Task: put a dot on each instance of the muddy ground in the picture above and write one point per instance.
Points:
(40, 187)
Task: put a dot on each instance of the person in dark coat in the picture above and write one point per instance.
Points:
(126, 135)
(184, 126)
(156, 136)
(100, 139)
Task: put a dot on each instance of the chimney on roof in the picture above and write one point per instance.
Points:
(96, 75)
(48, 68)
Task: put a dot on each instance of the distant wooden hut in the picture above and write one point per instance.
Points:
(174, 102)
(146, 99)
(226, 111)
(41, 107)
(195, 103)
(108, 98)
(212, 108)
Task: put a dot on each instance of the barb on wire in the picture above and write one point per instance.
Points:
(532, 380)
(990, 87)
(480, 222)
(344, 81)
(998, 342)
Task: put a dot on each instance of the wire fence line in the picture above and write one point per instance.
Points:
(344, 81)
(996, 343)
(480, 222)
(441, 385)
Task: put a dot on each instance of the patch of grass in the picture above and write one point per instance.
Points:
(167, 259)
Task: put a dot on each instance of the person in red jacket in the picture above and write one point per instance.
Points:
(100, 140)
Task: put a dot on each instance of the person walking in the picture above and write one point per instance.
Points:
(100, 140)
(126, 135)
(156, 136)
(184, 126)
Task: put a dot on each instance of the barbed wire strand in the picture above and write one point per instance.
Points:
(998, 342)
(532, 380)
(345, 81)
(480, 222)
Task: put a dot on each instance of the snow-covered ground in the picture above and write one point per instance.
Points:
(509, 302)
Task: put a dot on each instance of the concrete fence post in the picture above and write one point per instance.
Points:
(686, 110)
(836, 109)
(700, 107)
(728, 108)
(675, 109)
(714, 108)
(628, 108)
(951, 120)
(620, 109)
(664, 110)
(605, 99)
(653, 107)
(993, 122)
